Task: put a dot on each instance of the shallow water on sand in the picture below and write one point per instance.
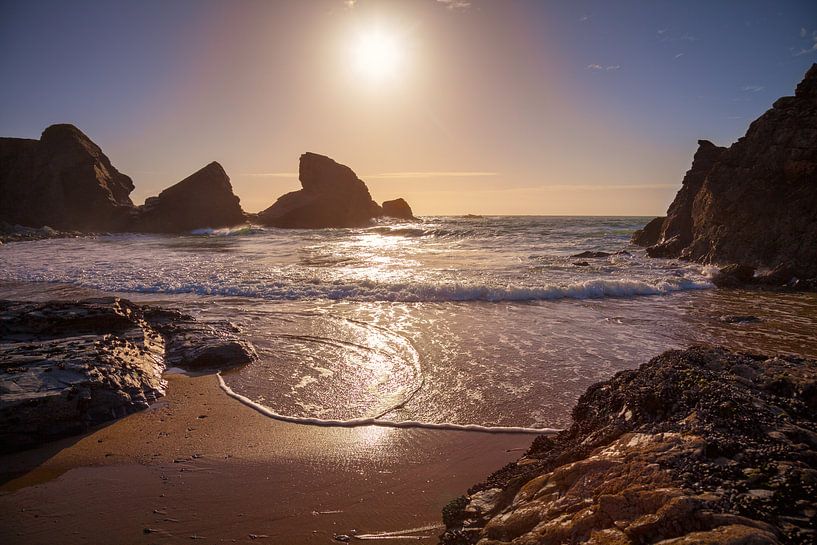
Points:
(484, 321)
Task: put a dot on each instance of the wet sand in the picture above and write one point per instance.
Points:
(199, 464)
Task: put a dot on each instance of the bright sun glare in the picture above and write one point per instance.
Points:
(377, 55)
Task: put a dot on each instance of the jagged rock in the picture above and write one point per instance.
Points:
(592, 255)
(753, 202)
(66, 366)
(398, 208)
(203, 199)
(63, 180)
(650, 234)
(332, 196)
(733, 276)
(697, 446)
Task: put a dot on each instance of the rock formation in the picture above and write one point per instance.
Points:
(62, 180)
(203, 199)
(398, 208)
(753, 203)
(650, 234)
(696, 446)
(67, 366)
(332, 196)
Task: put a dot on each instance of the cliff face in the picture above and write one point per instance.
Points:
(62, 180)
(696, 446)
(203, 199)
(332, 196)
(755, 202)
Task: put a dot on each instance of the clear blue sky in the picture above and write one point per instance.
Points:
(490, 106)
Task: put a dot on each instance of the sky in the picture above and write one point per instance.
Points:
(482, 106)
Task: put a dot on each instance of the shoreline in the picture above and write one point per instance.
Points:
(158, 476)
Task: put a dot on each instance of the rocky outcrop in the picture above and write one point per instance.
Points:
(332, 196)
(64, 181)
(398, 208)
(753, 203)
(650, 234)
(203, 199)
(67, 366)
(696, 446)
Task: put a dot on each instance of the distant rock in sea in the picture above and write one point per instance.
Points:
(332, 196)
(69, 365)
(64, 181)
(203, 199)
(398, 208)
(754, 202)
(697, 446)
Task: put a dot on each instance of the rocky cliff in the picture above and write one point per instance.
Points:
(203, 199)
(755, 202)
(67, 366)
(332, 196)
(701, 446)
(62, 180)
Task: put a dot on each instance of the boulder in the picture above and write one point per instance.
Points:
(650, 234)
(332, 196)
(203, 199)
(66, 366)
(64, 181)
(754, 202)
(734, 276)
(701, 445)
(398, 208)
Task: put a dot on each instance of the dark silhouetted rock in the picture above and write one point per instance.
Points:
(398, 208)
(66, 366)
(755, 201)
(650, 234)
(64, 181)
(203, 199)
(592, 255)
(332, 196)
(697, 446)
(733, 276)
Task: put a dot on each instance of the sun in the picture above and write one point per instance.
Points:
(377, 55)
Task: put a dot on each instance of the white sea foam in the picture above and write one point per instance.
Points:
(359, 422)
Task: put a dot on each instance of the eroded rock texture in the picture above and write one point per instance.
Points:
(64, 181)
(696, 446)
(332, 196)
(754, 203)
(66, 366)
(203, 199)
(398, 208)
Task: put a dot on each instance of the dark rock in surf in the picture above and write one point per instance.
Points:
(697, 446)
(67, 366)
(733, 276)
(64, 181)
(332, 196)
(398, 208)
(753, 202)
(739, 319)
(650, 234)
(203, 199)
(592, 255)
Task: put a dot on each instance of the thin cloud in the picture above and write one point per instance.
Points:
(803, 32)
(431, 174)
(455, 4)
(600, 67)
(349, 3)
(752, 88)
(679, 55)
(689, 38)
(269, 174)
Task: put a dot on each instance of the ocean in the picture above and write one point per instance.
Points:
(482, 322)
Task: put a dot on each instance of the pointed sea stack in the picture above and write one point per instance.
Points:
(203, 199)
(64, 181)
(332, 196)
(753, 203)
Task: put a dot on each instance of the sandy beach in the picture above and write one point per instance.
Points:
(200, 465)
